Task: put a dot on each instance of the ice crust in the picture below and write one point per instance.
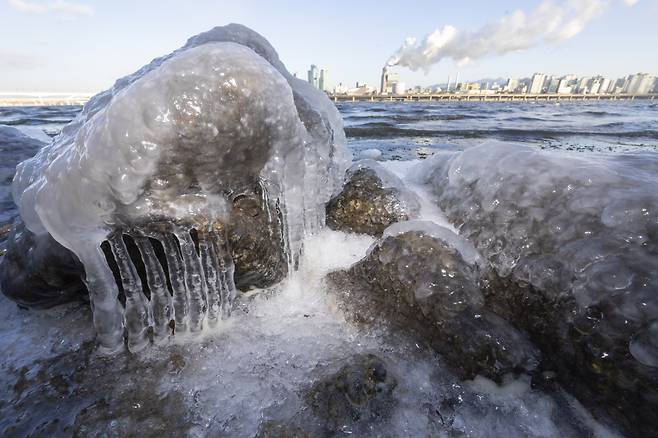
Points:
(431, 229)
(389, 180)
(172, 144)
(585, 225)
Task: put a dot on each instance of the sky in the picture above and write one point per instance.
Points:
(83, 46)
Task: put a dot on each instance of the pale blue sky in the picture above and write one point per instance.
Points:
(84, 45)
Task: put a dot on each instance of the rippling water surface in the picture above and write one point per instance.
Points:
(412, 130)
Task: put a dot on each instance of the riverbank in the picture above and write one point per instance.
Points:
(487, 97)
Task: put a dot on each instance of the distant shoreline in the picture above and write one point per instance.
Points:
(485, 97)
(17, 102)
(58, 101)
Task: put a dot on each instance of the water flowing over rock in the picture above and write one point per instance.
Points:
(213, 144)
(425, 279)
(573, 242)
(371, 200)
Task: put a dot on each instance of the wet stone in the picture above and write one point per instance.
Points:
(368, 205)
(423, 285)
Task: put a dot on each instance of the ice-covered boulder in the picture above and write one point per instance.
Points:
(573, 240)
(425, 278)
(145, 184)
(371, 200)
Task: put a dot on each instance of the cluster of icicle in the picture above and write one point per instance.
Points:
(143, 179)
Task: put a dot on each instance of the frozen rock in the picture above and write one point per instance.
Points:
(573, 240)
(430, 285)
(359, 394)
(162, 164)
(371, 200)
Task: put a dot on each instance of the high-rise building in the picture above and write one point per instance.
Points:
(595, 85)
(323, 83)
(537, 84)
(563, 87)
(640, 83)
(512, 85)
(553, 83)
(582, 86)
(605, 86)
(314, 76)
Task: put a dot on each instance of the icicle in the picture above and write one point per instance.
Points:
(161, 301)
(210, 265)
(177, 280)
(226, 270)
(106, 308)
(265, 199)
(194, 279)
(137, 318)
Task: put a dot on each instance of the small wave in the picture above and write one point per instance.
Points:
(36, 121)
(386, 130)
(404, 118)
(525, 119)
(600, 113)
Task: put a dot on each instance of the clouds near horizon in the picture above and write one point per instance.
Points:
(60, 7)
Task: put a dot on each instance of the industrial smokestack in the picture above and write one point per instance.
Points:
(550, 22)
(384, 81)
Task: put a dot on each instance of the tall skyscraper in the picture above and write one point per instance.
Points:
(314, 76)
(537, 84)
(583, 85)
(640, 83)
(323, 83)
(553, 83)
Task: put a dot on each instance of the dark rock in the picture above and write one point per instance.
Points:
(38, 272)
(368, 204)
(422, 284)
(256, 243)
(360, 392)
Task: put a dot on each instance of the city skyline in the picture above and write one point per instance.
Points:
(84, 46)
(391, 82)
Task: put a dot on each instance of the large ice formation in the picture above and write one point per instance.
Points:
(573, 240)
(141, 185)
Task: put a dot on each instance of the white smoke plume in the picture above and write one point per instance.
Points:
(550, 22)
